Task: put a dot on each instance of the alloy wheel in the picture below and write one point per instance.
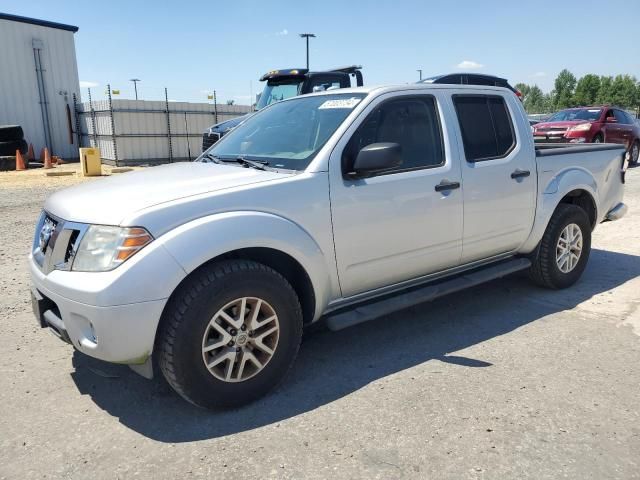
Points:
(569, 248)
(240, 339)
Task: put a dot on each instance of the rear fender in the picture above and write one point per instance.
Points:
(552, 190)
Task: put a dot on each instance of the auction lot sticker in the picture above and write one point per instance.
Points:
(340, 103)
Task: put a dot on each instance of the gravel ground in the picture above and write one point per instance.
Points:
(502, 381)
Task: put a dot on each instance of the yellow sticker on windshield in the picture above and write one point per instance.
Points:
(340, 103)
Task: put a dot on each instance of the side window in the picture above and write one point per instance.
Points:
(610, 116)
(620, 117)
(630, 119)
(412, 122)
(326, 82)
(487, 131)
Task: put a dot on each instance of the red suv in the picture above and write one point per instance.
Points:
(591, 125)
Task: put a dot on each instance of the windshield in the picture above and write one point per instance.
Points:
(275, 91)
(586, 114)
(287, 135)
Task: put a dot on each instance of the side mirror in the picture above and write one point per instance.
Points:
(375, 158)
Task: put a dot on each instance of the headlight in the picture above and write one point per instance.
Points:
(583, 127)
(103, 248)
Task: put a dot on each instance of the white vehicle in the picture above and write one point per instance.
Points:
(341, 206)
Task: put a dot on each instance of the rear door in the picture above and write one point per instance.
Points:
(498, 174)
(624, 126)
(406, 222)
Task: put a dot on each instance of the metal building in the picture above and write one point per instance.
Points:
(38, 80)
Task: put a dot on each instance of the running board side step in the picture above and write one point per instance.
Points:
(379, 307)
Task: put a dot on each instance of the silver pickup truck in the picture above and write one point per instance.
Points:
(339, 206)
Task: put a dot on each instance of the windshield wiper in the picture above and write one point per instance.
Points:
(210, 158)
(259, 165)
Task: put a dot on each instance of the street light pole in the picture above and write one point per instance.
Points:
(420, 72)
(307, 36)
(135, 85)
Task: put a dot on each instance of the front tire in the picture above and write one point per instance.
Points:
(564, 249)
(598, 138)
(230, 334)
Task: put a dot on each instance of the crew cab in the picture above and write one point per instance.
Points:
(592, 125)
(340, 206)
(287, 83)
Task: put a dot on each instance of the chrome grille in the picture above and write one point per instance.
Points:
(56, 242)
(551, 129)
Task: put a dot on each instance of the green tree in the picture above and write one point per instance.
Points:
(624, 91)
(565, 85)
(587, 90)
(604, 92)
(534, 102)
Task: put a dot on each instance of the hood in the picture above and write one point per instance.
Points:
(109, 200)
(560, 125)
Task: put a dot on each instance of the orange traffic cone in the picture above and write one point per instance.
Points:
(54, 160)
(19, 161)
(47, 159)
(60, 161)
(30, 155)
(42, 154)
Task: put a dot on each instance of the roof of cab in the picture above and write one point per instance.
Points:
(380, 89)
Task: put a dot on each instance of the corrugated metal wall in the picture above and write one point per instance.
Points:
(141, 130)
(19, 99)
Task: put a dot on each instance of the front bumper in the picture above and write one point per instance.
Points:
(119, 334)
(114, 315)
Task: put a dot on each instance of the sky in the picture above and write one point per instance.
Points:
(192, 47)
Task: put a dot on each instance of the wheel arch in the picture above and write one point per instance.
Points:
(583, 199)
(263, 237)
(573, 186)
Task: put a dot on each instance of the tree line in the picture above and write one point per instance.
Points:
(621, 90)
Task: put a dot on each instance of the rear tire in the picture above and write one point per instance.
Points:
(222, 312)
(598, 138)
(563, 252)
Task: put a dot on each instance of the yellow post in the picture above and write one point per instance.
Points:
(90, 161)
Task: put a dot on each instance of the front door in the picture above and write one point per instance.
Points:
(612, 130)
(403, 223)
(499, 175)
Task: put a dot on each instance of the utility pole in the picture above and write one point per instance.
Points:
(135, 85)
(307, 36)
(420, 72)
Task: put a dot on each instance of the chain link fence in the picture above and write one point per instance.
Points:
(144, 132)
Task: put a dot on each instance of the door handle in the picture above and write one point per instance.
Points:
(443, 186)
(520, 173)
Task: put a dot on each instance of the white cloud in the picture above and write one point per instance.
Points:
(282, 32)
(469, 65)
(540, 74)
(85, 84)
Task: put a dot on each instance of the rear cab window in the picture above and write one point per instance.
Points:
(486, 126)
